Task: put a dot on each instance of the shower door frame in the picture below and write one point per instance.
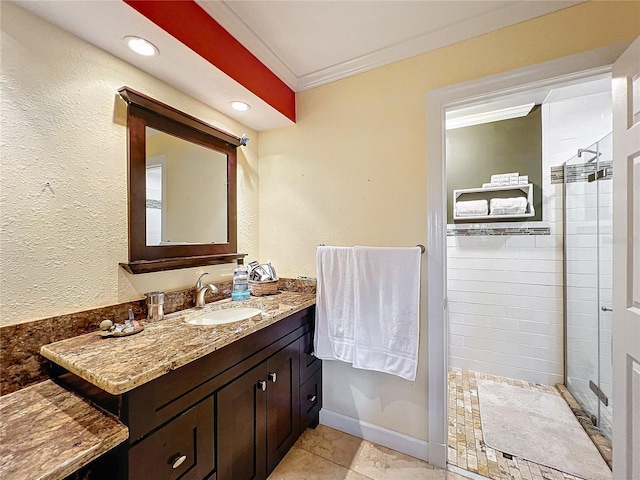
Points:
(561, 71)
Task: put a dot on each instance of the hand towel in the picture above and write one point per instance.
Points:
(508, 206)
(333, 338)
(387, 309)
(471, 207)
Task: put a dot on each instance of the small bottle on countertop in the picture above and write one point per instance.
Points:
(240, 289)
(155, 309)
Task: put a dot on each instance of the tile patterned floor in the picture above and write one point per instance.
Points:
(466, 446)
(328, 454)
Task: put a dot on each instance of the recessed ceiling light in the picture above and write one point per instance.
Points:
(240, 106)
(141, 46)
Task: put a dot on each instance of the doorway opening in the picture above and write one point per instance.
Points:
(509, 283)
(560, 73)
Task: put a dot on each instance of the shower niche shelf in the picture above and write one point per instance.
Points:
(494, 192)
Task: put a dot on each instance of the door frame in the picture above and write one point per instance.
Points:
(566, 70)
(626, 306)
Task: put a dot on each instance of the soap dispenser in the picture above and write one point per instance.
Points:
(240, 289)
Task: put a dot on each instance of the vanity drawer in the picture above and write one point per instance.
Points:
(310, 399)
(183, 449)
(309, 363)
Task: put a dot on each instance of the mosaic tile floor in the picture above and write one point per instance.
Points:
(328, 454)
(466, 446)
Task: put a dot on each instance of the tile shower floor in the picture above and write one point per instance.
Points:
(325, 453)
(467, 449)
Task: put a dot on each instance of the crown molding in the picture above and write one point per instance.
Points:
(495, 115)
(222, 13)
(509, 15)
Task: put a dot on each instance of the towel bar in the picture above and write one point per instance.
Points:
(422, 249)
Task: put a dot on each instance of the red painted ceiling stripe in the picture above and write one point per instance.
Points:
(190, 24)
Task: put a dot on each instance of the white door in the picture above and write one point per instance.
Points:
(626, 264)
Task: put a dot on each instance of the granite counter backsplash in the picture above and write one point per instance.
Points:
(22, 365)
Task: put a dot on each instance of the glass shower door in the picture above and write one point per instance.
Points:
(588, 280)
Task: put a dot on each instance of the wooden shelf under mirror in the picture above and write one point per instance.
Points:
(149, 266)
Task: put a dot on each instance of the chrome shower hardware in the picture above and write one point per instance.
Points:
(586, 150)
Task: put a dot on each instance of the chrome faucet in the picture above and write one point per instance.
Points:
(201, 290)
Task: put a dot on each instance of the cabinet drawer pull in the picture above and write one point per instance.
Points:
(312, 398)
(272, 376)
(179, 460)
(262, 385)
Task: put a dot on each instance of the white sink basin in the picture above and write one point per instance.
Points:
(227, 315)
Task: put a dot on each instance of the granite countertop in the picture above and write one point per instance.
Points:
(120, 364)
(48, 432)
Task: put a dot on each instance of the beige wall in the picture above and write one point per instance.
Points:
(353, 171)
(60, 246)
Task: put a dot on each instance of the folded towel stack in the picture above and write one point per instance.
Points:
(471, 208)
(508, 206)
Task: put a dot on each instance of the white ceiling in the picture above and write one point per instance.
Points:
(311, 42)
(305, 42)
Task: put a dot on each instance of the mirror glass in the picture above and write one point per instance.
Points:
(186, 192)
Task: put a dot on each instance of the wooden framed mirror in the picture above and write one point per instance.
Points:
(181, 188)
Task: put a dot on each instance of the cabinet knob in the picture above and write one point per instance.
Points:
(312, 398)
(262, 385)
(272, 376)
(178, 460)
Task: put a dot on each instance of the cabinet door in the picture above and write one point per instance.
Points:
(181, 449)
(283, 370)
(241, 427)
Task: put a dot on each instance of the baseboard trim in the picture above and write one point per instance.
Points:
(373, 433)
(438, 454)
(465, 473)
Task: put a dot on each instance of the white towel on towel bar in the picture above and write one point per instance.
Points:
(334, 304)
(387, 310)
(367, 307)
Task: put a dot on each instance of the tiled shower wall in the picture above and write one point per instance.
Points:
(505, 305)
(506, 292)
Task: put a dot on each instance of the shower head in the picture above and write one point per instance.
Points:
(583, 150)
(586, 150)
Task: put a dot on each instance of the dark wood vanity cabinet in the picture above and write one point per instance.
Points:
(233, 414)
(310, 384)
(283, 399)
(184, 448)
(242, 427)
(257, 417)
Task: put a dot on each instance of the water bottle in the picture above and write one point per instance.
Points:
(240, 283)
